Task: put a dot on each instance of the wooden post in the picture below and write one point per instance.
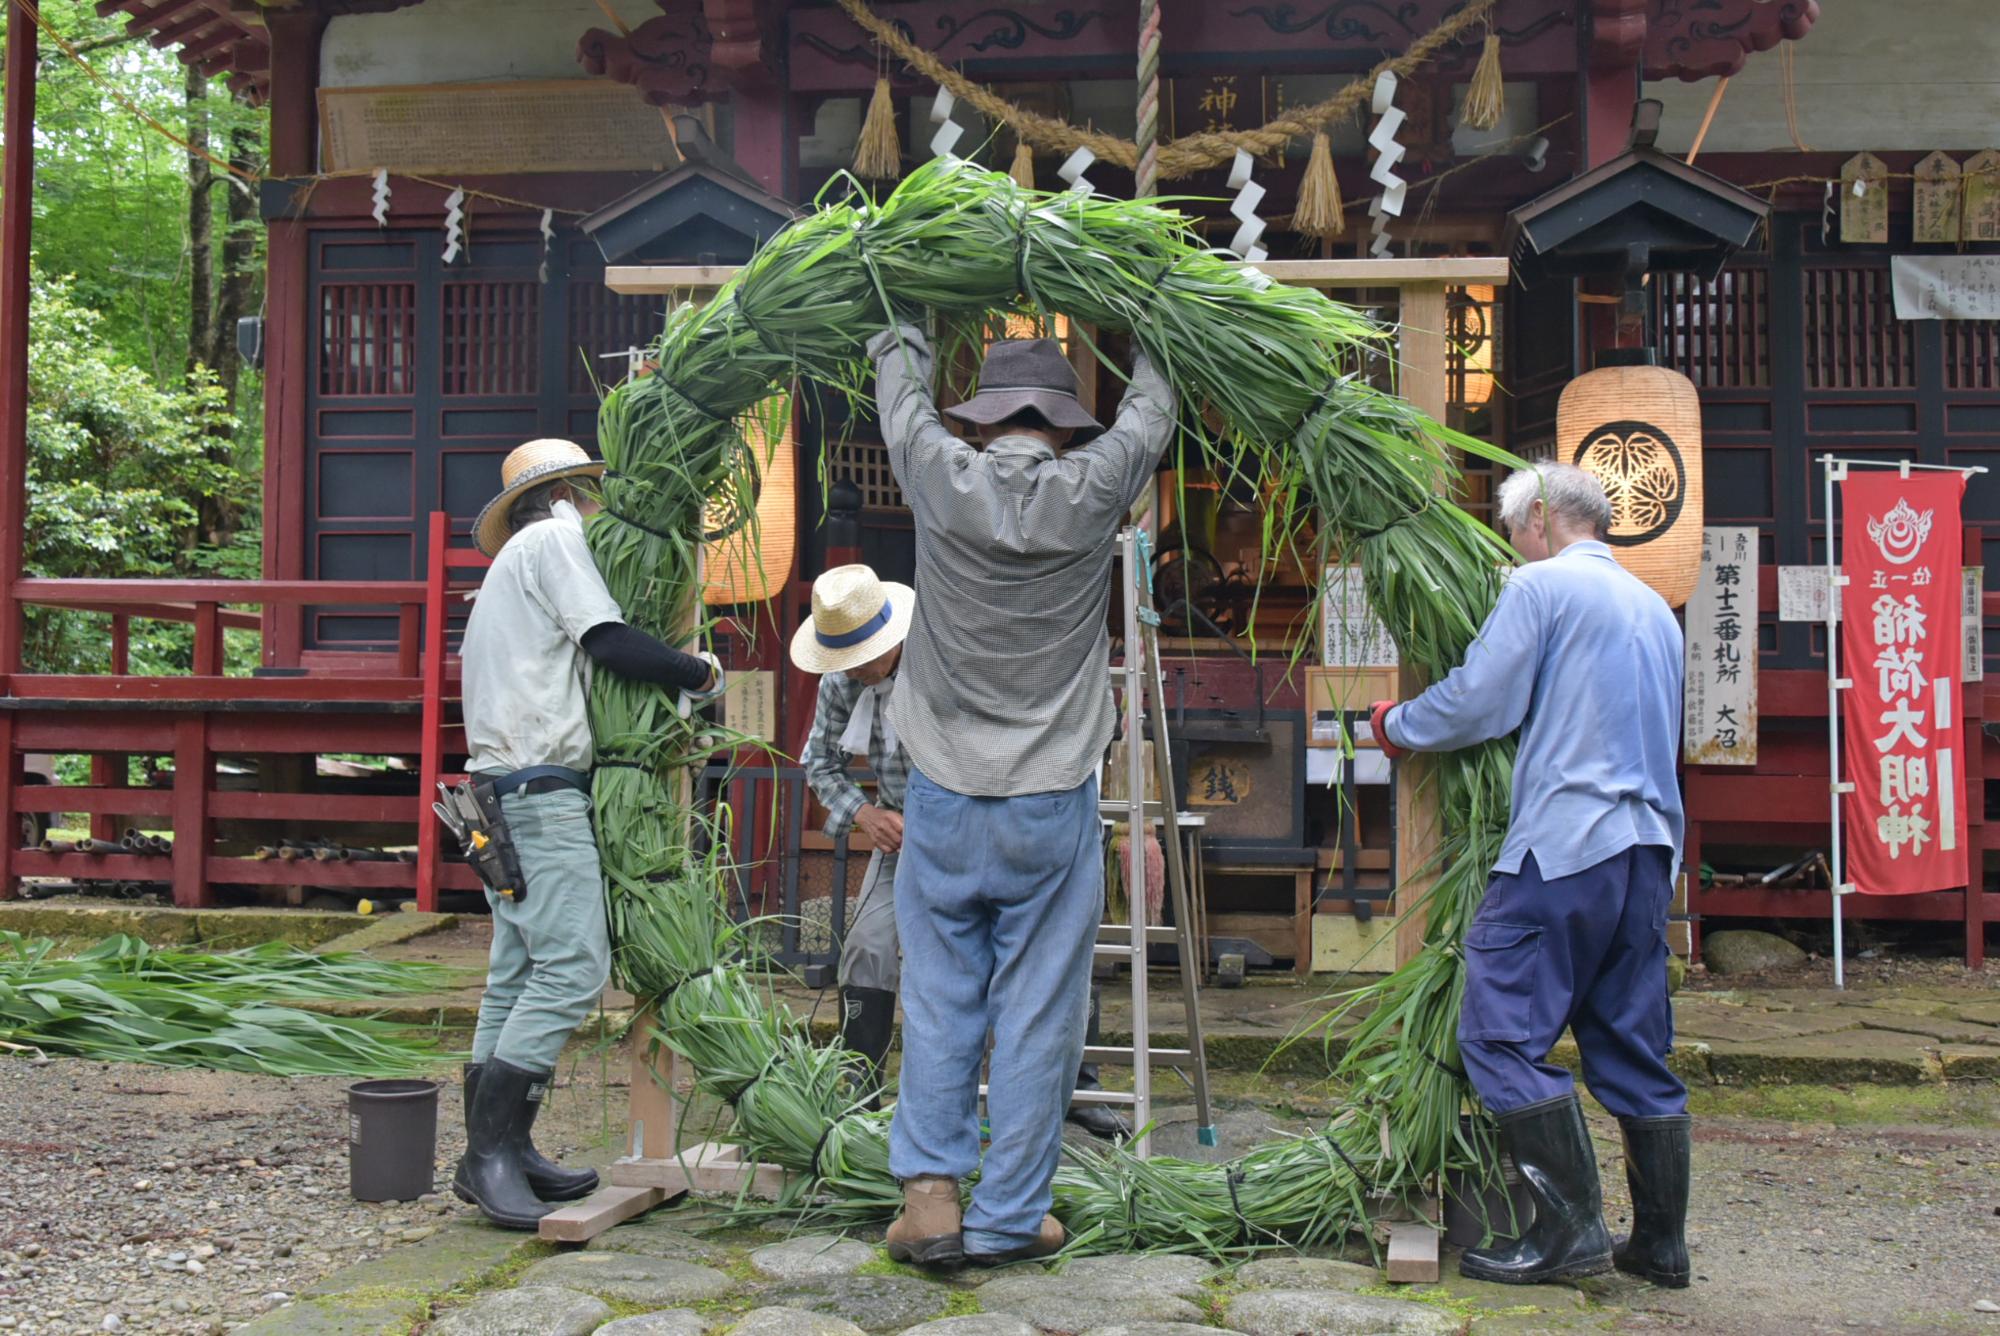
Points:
(17, 186)
(193, 767)
(1423, 384)
(430, 764)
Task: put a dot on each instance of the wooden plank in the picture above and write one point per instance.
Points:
(653, 279)
(704, 1168)
(1413, 1253)
(1417, 832)
(194, 771)
(598, 1212)
(363, 693)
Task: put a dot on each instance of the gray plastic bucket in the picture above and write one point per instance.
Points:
(391, 1139)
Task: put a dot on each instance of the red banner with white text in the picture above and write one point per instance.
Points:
(1903, 737)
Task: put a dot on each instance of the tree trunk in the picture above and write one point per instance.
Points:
(201, 226)
(236, 295)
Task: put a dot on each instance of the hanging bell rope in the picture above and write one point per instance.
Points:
(1147, 172)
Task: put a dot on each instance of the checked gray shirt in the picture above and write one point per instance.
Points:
(825, 760)
(1005, 684)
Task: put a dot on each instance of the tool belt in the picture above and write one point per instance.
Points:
(471, 812)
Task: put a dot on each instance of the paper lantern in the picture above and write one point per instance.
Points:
(749, 562)
(1637, 429)
(1470, 329)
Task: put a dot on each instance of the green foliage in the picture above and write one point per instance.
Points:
(111, 193)
(117, 468)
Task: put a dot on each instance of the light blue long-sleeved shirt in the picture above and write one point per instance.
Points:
(1586, 661)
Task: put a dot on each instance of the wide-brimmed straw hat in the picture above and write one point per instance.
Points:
(1027, 373)
(857, 616)
(525, 467)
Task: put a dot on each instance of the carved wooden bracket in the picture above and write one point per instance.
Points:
(1617, 32)
(666, 58)
(1705, 39)
(693, 51)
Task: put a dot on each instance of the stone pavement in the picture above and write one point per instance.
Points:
(683, 1272)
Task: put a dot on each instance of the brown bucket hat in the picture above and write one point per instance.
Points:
(1027, 373)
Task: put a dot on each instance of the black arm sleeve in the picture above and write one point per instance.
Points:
(632, 653)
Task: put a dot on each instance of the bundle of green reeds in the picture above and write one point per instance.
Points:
(1363, 474)
(125, 1001)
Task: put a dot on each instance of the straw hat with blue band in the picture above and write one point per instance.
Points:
(856, 616)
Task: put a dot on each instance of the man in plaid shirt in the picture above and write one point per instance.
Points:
(850, 720)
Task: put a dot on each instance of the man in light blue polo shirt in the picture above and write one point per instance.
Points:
(1586, 662)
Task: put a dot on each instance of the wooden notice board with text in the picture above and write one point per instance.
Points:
(530, 125)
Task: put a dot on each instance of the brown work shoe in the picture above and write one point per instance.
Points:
(927, 1232)
(1048, 1242)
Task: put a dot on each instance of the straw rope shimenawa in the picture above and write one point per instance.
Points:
(1190, 153)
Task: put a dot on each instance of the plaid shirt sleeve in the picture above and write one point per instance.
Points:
(824, 760)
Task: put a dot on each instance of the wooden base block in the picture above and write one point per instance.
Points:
(1413, 1253)
(705, 1168)
(598, 1212)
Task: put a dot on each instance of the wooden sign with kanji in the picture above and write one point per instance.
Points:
(1982, 196)
(1864, 200)
(1935, 200)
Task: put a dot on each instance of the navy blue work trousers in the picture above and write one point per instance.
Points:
(1587, 953)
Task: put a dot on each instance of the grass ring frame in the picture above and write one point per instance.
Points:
(1271, 359)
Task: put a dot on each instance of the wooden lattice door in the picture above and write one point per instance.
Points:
(424, 375)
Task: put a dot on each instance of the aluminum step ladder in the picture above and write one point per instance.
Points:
(1145, 706)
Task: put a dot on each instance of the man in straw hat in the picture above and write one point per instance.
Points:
(1585, 661)
(542, 617)
(855, 642)
(1004, 705)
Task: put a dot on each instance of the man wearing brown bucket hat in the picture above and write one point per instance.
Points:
(541, 619)
(855, 642)
(1004, 705)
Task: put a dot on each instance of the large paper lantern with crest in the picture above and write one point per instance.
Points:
(1637, 429)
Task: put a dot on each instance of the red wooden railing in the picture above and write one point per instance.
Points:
(196, 716)
(445, 560)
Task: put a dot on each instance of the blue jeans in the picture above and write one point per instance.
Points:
(552, 950)
(997, 905)
(1587, 953)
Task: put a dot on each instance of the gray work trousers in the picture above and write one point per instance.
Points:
(871, 956)
(552, 950)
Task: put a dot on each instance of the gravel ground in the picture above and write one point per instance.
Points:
(141, 1199)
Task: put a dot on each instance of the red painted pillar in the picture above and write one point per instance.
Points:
(764, 144)
(17, 189)
(295, 39)
(1613, 47)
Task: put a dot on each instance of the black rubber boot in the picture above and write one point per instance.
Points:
(549, 1180)
(491, 1175)
(1659, 1158)
(1100, 1120)
(867, 1022)
(1551, 1146)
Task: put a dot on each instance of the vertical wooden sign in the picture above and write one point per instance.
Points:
(1864, 200)
(1982, 196)
(1719, 702)
(1935, 201)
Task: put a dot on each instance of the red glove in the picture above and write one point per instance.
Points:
(1378, 714)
